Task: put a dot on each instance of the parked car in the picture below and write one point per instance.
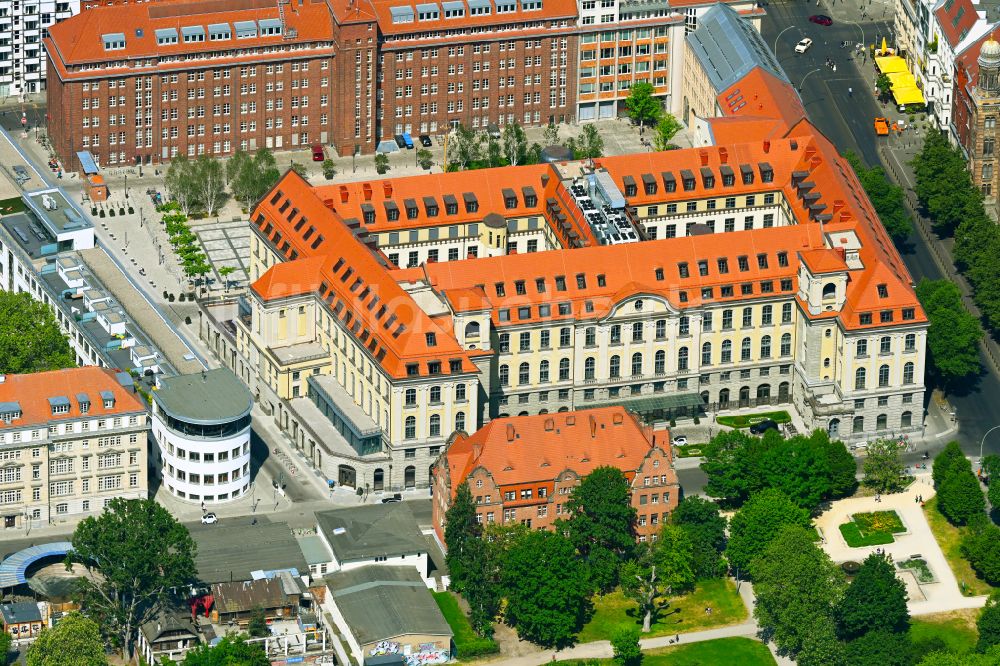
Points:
(209, 519)
(407, 140)
(318, 154)
(803, 45)
(425, 141)
(680, 440)
(398, 138)
(396, 497)
(763, 426)
(821, 19)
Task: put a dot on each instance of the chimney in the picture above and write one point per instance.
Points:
(550, 425)
(793, 144)
(328, 203)
(387, 188)
(810, 151)
(593, 427)
(616, 418)
(510, 432)
(704, 157)
(545, 179)
(842, 253)
(838, 205)
(723, 155)
(571, 420)
(366, 190)
(767, 145)
(343, 194)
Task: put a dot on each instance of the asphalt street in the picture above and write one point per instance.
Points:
(846, 119)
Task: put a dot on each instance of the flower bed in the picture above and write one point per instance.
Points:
(920, 570)
(879, 521)
(747, 420)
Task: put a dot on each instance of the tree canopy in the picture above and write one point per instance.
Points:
(134, 553)
(667, 128)
(74, 641)
(601, 524)
(759, 522)
(30, 339)
(981, 546)
(988, 624)
(953, 335)
(960, 497)
(460, 530)
(886, 198)
(706, 530)
(880, 648)
(663, 568)
(951, 457)
(874, 600)
(642, 107)
(883, 466)
(251, 177)
(230, 651)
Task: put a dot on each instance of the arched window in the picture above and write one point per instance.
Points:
(763, 391)
(704, 397)
(543, 372)
(636, 364)
(833, 429)
(435, 425)
(615, 367)
(859, 379)
(786, 344)
(410, 477)
(908, 372)
(523, 373)
(435, 394)
(765, 347)
(906, 419)
(883, 375)
(682, 358)
(410, 428)
(460, 421)
(588, 367)
(783, 391)
(744, 395)
(859, 425)
(881, 422)
(660, 362)
(563, 369)
(504, 375)
(724, 398)
(706, 354)
(745, 349)
(727, 351)
(472, 329)
(378, 479)
(829, 290)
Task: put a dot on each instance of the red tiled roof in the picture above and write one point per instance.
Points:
(525, 449)
(549, 11)
(956, 18)
(762, 95)
(32, 393)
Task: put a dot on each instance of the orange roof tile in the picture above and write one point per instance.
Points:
(290, 278)
(525, 449)
(823, 261)
(760, 94)
(550, 10)
(32, 393)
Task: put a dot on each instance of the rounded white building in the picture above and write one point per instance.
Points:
(201, 423)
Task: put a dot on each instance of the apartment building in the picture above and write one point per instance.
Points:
(976, 107)
(22, 26)
(523, 469)
(70, 441)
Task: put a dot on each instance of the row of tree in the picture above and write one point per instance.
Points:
(886, 198)
(469, 149)
(953, 334)
(200, 184)
(194, 263)
(955, 207)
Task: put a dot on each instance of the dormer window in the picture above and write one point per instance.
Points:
(431, 339)
(687, 179)
(883, 291)
(649, 183)
(59, 405)
(702, 267)
(109, 399)
(411, 209)
(707, 178)
(630, 187)
(682, 270)
(520, 288)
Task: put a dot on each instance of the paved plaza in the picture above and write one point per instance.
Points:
(225, 244)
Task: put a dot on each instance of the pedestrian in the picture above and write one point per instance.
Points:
(850, 92)
(677, 638)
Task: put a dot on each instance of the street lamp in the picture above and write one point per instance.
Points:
(802, 82)
(983, 442)
(779, 36)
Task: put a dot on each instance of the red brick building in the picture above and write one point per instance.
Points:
(523, 469)
(150, 81)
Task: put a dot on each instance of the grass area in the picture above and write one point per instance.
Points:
(12, 205)
(690, 450)
(879, 521)
(747, 420)
(685, 613)
(720, 652)
(855, 538)
(954, 631)
(949, 538)
(468, 643)
(919, 568)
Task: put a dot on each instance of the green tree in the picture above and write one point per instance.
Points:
(483, 591)
(601, 524)
(546, 609)
(230, 651)
(74, 641)
(464, 148)
(960, 497)
(625, 646)
(886, 197)
(981, 546)
(988, 623)
(134, 554)
(667, 128)
(209, 183)
(642, 107)
(425, 159)
(663, 568)
(515, 144)
(6, 641)
(883, 85)
(953, 335)
(874, 600)
(706, 530)
(550, 135)
(225, 272)
(944, 186)
(30, 339)
(250, 178)
(950, 458)
(733, 462)
(759, 522)
(798, 588)
(330, 169)
(943, 658)
(460, 528)
(182, 183)
(257, 625)
(236, 164)
(590, 143)
(381, 162)
(880, 648)
(494, 152)
(883, 466)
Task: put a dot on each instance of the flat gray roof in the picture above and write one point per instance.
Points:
(210, 396)
(380, 603)
(233, 548)
(371, 530)
(62, 217)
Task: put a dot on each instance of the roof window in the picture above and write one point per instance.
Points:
(113, 41)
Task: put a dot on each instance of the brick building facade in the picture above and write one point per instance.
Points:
(975, 111)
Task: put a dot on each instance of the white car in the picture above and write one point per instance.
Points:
(803, 45)
(680, 440)
(209, 519)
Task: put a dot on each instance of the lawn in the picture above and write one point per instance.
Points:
(949, 538)
(954, 631)
(685, 613)
(10, 206)
(747, 420)
(468, 643)
(855, 538)
(690, 450)
(720, 652)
